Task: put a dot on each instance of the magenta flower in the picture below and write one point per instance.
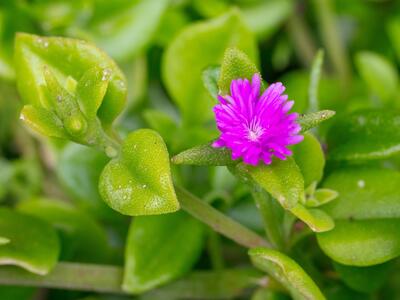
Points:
(256, 127)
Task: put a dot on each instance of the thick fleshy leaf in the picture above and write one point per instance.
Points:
(367, 216)
(321, 197)
(363, 279)
(282, 179)
(184, 56)
(79, 168)
(236, 64)
(379, 74)
(210, 78)
(124, 28)
(287, 272)
(33, 244)
(33, 52)
(204, 155)
(316, 219)
(43, 121)
(310, 120)
(139, 181)
(365, 135)
(160, 249)
(80, 234)
(310, 158)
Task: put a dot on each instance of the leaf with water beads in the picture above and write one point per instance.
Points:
(139, 181)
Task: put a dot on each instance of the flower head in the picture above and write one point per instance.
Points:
(256, 126)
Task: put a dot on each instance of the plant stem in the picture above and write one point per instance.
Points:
(218, 221)
(271, 214)
(304, 44)
(215, 251)
(68, 276)
(332, 41)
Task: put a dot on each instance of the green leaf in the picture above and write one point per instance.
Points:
(265, 17)
(161, 122)
(43, 121)
(204, 155)
(379, 74)
(310, 120)
(321, 197)
(316, 219)
(184, 56)
(315, 75)
(78, 169)
(33, 52)
(363, 279)
(282, 179)
(366, 214)
(91, 89)
(33, 243)
(125, 28)
(210, 78)
(139, 181)
(80, 233)
(365, 135)
(310, 158)
(287, 272)
(393, 29)
(160, 249)
(236, 64)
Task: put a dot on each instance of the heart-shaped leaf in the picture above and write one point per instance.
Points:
(160, 249)
(287, 272)
(366, 214)
(33, 244)
(184, 56)
(139, 181)
(365, 135)
(80, 233)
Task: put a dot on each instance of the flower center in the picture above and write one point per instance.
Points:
(254, 132)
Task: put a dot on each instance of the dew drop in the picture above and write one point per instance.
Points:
(144, 186)
(106, 74)
(361, 184)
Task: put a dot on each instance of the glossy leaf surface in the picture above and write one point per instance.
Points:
(139, 181)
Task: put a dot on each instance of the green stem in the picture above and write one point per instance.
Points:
(215, 251)
(218, 221)
(68, 276)
(304, 44)
(332, 41)
(271, 214)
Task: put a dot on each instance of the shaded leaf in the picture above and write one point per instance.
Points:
(33, 244)
(160, 249)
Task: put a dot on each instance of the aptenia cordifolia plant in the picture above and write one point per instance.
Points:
(167, 150)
